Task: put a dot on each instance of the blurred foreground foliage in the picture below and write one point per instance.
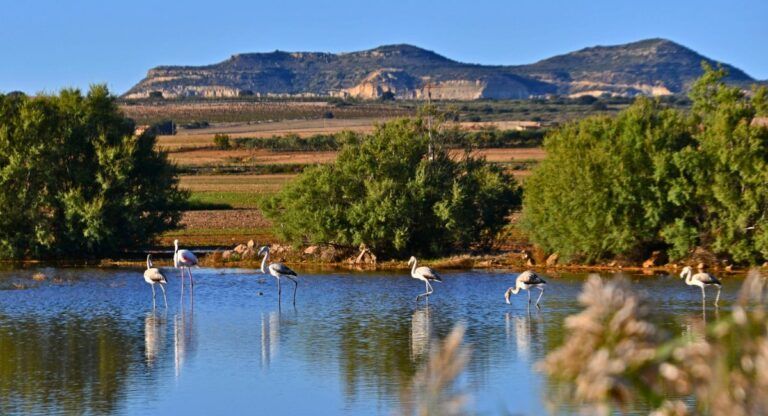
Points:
(613, 357)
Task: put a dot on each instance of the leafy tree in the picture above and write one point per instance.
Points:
(655, 177)
(386, 191)
(75, 181)
(603, 189)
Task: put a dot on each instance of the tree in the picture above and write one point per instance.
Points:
(657, 178)
(386, 192)
(76, 182)
(603, 190)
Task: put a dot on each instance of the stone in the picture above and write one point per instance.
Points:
(240, 248)
(311, 250)
(552, 259)
(657, 259)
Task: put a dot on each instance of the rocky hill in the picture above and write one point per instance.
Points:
(650, 67)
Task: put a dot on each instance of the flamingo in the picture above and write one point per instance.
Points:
(701, 279)
(184, 259)
(278, 270)
(424, 273)
(154, 276)
(527, 280)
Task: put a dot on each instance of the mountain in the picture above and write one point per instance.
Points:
(650, 67)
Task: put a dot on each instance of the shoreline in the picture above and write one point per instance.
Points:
(511, 261)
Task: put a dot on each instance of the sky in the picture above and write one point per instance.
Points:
(46, 45)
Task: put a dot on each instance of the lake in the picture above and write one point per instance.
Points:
(87, 341)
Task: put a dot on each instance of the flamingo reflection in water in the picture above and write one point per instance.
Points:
(421, 332)
(270, 337)
(154, 336)
(523, 329)
(184, 338)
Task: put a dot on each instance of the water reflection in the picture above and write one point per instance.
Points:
(421, 333)
(184, 338)
(270, 337)
(154, 336)
(92, 345)
(66, 364)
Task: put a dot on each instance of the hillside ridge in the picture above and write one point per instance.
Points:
(647, 67)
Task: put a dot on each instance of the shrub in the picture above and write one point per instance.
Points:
(221, 141)
(76, 182)
(386, 191)
(655, 177)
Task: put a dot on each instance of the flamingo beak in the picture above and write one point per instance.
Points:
(506, 297)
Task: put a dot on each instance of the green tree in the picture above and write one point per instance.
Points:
(731, 171)
(75, 181)
(386, 191)
(654, 177)
(603, 189)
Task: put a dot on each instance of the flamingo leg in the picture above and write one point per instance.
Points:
(426, 293)
(153, 296)
(295, 288)
(191, 280)
(529, 296)
(717, 298)
(703, 295)
(279, 290)
(540, 295)
(182, 283)
(165, 299)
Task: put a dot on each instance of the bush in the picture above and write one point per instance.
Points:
(221, 141)
(75, 181)
(385, 191)
(655, 177)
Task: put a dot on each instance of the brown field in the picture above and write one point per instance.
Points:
(235, 183)
(220, 228)
(190, 138)
(245, 110)
(197, 157)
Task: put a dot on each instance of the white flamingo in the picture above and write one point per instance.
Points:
(154, 276)
(184, 259)
(278, 270)
(425, 274)
(701, 279)
(527, 280)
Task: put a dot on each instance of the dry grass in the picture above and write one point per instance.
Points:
(186, 138)
(235, 183)
(247, 110)
(220, 228)
(198, 157)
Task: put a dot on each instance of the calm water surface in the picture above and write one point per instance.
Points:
(87, 341)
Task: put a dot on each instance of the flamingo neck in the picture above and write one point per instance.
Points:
(413, 268)
(516, 289)
(149, 263)
(689, 278)
(264, 262)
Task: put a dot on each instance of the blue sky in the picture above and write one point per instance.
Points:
(46, 45)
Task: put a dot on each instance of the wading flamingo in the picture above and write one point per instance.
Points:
(278, 270)
(527, 280)
(154, 276)
(701, 279)
(184, 259)
(425, 274)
